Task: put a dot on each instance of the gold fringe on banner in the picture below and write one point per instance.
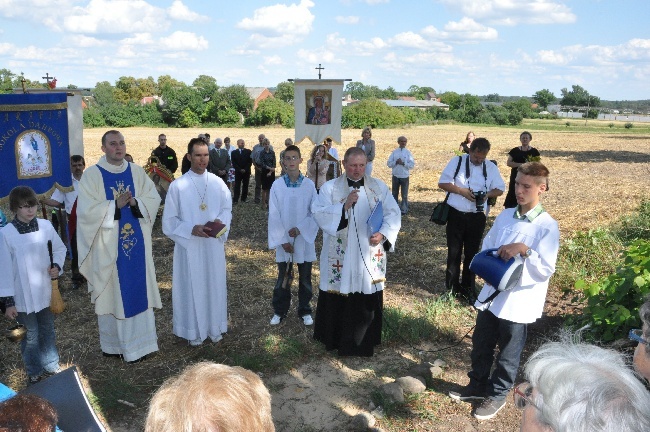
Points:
(34, 107)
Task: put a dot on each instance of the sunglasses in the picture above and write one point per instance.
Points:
(637, 335)
(523, 395)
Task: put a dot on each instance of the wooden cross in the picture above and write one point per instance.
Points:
(319, 68)
(379, 254)
(337, 266)
(47, 77)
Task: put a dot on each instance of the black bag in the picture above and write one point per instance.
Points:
(441, 211)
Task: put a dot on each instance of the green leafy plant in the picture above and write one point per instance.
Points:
(629, 125)
(612, 304)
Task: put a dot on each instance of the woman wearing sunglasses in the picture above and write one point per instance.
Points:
(574, 386)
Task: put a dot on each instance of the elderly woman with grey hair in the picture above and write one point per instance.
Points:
(368, 146)
(574, 386)
(642, 352)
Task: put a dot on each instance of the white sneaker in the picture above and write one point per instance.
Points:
(275, 320)
(196, 342)
(307, 320)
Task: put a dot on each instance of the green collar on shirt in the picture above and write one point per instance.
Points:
(531, 215)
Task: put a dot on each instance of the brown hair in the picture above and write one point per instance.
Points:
(535, 169)
(27, 413)
(21, 195)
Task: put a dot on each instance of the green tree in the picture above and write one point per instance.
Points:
(373, 113)
(389, 93)
(544, 98)
(188, 118)
(179, 99)
(166, 83)
(420, 93)
(578, 97)
(272, 111)
(284, 92)
(356, 90)
(236, 96)
(493, 97)
(6, 80)
(206, 86)
(103, 93)
(523, 106)
(452, 99)
(126, 89)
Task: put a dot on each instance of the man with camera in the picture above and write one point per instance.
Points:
(470, 180)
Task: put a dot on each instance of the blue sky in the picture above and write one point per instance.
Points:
(509, 47)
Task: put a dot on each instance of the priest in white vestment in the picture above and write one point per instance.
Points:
(116, 209)
(353, 260)
(199, 295)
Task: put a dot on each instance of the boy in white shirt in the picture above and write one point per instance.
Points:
(529, 231)
(292, 233)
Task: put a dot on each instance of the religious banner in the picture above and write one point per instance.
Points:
(318, 104)
(34, 146)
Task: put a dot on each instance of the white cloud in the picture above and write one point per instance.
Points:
(183, 41)
(6, 48)
(273, 60)
(347, 19)
(119, 16)
(468, 29)
(83, 41)
(279, 25)
(321, 55)
(243, 51)
(139, 39)
(551, 57)
(335, 41)
(374, 2)
(509, 12)
(368, 48)
(179, 11)
(408, 40)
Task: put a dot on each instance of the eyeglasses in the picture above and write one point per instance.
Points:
(28, 206)
(291, 158)
(522, 395)
(637, 335)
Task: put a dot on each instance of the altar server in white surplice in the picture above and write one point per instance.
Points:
(353, 260)
(292, 232)
(116, 209)
(199, 296)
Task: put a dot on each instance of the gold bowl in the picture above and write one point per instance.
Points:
(16, 333)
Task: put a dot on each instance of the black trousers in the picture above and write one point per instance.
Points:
(464, 234)
(241, 186)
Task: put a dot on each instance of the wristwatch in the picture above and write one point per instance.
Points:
(528, 253)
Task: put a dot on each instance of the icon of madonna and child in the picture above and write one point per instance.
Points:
(319, 112)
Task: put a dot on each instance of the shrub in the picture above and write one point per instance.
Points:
(93, 118)
(373, 113)
(611, 125)
(629, 125)
(567, 124)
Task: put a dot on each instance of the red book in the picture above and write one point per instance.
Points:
(214, 229)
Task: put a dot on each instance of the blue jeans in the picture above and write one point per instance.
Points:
(404, 184)
(39, 345)
(282, 296)
(491, 331)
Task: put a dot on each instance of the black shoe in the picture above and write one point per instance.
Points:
(33, 380)
(467, 393)
(141, 359)
(119, 356)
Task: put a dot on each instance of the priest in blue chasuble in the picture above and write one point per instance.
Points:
(116, 210)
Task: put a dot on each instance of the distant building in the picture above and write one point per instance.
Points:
(417, 104)
(151, 99)
(258, 94)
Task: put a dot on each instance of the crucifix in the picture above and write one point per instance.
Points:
(319, 68)
(47, 78)
(23, 81)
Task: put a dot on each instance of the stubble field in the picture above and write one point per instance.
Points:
(595, 177)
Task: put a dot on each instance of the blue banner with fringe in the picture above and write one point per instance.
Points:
(34, 144)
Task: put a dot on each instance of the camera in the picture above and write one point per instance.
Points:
(480, 200)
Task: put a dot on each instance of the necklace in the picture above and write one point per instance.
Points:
(203, 206)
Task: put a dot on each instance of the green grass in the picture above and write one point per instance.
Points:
(434, 319)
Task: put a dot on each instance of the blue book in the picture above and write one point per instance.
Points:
(376, 219)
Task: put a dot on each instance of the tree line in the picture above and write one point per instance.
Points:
(205, 103)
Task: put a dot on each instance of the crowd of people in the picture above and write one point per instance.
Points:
(114, 203)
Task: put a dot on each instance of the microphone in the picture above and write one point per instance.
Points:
(355, 186)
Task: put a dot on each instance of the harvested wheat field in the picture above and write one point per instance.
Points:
(595, 178)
